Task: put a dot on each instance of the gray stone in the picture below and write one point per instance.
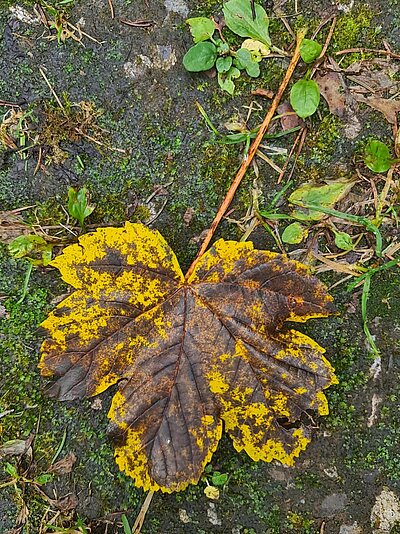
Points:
(333, 504)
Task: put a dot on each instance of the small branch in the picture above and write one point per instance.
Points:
(51, 88)
(366, 51)
(300, 138)
(142, 514)
(110, 4)
(252, 151)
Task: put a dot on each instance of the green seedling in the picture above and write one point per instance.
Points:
(377, 156)
(365, 279)
(305, 94)
(209, 51)
(78, 204)
(244, 136)
(343, 240)
(16, 478)
(294, 234)
(310, 50)
(363, 221)
(305, 97)
(34, 249)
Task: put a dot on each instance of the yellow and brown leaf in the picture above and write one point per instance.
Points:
(190, 356)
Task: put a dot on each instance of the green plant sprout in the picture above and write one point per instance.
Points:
(366, 277)
(78, 204)
(377, 156)
(245, 136)
(35, 250)
(230, 63)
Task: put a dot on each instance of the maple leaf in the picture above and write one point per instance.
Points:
(189, 355)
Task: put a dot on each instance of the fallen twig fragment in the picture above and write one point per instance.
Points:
(139, 23)
(251, 153)
(142, 514)
(111, 9)
(367, 51)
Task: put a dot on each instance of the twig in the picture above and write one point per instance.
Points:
(93, 140)
(81, 32)
(5, 103)
(138, 23)
(329, 38)
(250, 155)
(142, 514)
(367, 50)
(269, 161)
(282, 173)
(324, 48)
(111, 9)
(39, 161)
(298, 151)
(51, 88)
(321, 25)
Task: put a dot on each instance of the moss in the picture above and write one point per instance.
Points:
(322, 142)
(355, 29)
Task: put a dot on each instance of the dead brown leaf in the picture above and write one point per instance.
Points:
(63, 466)
(11, 226)
(16, 447)
(334, 92)
(340, 101)
(373, 76)
(66, 503)
(289, 118)
(266, 93)
(188, 216)
(389, 108)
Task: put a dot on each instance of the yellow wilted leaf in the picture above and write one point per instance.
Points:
(190, 356)
(258, 50)
(211, 492)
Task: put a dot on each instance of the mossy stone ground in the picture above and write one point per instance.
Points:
(136, 77)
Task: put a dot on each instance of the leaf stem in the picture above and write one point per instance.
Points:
(252, 151)
(26, 283)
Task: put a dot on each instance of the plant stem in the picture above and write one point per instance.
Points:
(26, 283)
(252, 151)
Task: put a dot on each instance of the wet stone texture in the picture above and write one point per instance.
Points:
(171, 177)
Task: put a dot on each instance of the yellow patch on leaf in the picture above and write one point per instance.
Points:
(190, 357)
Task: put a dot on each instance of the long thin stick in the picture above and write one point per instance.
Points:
(51, 88)
(252, 151)
(142, 514)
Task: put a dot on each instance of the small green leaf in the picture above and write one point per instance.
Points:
(201, 56)
(226, 80)
(244, 60)
(32, 247)
(377, 156)
(24, 244)
(304, 97)
(343, 241)
(325, 196)
(223, 64)
(78, 204)
(310, 50)
(126, 525)
(223, 48)
(239, 19)
(258, 50)
(219, 479)
(201, 28)
(294, 233)
(11, 470)
(43, 479)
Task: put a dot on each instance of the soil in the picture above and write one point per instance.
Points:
(167, 173)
